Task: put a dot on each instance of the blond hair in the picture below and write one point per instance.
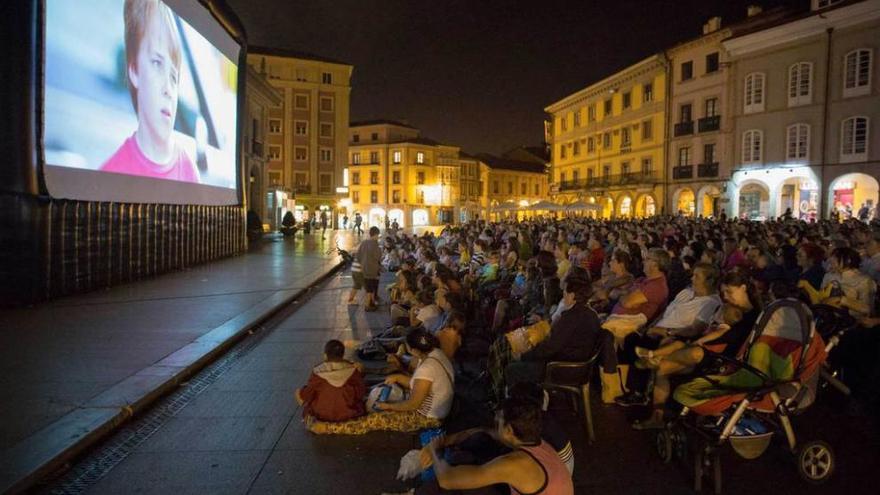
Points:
(138, 14)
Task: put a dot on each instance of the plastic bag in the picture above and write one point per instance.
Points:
(384, 393)
(410, 465)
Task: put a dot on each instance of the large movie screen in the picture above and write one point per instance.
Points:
(140, 102)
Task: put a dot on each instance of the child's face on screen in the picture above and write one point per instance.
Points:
(156, 77)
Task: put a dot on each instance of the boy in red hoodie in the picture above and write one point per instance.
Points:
(336, 388)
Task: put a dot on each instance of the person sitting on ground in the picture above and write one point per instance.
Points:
(478, 257)
(533, 466)
(404, 297)
(445, 278)
(478, 446)
(426, 313)
(428, 400)
(464, 255)
(488, 273)
(391, 260)
(335, 390)
(562, 262)
(449, 337)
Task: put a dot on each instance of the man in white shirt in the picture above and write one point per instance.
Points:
(688, 315)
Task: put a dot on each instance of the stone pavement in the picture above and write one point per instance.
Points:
(243, 432)
(76, 366)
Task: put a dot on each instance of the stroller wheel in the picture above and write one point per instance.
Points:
(664, 445)
(815, 462)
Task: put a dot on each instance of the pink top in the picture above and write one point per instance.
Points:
(735, 259)
(655, 291)
(557, 479)
(130, 160)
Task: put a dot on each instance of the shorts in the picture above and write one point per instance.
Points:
(358, 279)
(372, 285)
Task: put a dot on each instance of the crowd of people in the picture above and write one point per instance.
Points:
(477, 311)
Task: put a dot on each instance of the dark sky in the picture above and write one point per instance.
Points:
(478, 73)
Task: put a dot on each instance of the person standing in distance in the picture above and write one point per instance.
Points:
(357, 223)
(370, 257)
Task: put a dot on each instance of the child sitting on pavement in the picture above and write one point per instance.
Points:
(336, 389)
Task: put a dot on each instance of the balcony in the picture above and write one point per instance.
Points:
(684, 128)
(709, 124)
(631, 178)
(302, 189)
(707, 170)
(626, 147)
(683, 172)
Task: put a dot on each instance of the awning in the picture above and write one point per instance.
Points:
(545, 206)
(505, 206)
(582, 205)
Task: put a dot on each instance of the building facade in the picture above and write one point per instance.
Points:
(306, 144)
(698, 157)
(395, 173)
(473, 174)
(608, 141)
(260, 98)
(806, 106)
(513, 186)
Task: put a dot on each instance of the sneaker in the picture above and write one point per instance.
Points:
(631, 399)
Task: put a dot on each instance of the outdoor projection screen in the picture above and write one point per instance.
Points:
(140, 103)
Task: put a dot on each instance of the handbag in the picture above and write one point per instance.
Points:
(613, 383)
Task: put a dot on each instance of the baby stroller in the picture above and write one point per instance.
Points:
(753, 397)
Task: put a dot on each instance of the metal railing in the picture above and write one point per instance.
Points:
(684, 128)
(643, 177)
(302, 188)
(683, 172)
(707, 170)
(709, 124)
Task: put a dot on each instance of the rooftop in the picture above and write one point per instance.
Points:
(364, 123)
(285, 52)
(499, 163)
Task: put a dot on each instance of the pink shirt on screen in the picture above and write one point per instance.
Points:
(129, 159)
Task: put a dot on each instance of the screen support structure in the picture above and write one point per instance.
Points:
(52, 247)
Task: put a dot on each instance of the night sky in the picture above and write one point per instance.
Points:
(478, 73)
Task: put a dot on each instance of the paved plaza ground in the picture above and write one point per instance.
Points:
(242, 433)
(71, 365)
